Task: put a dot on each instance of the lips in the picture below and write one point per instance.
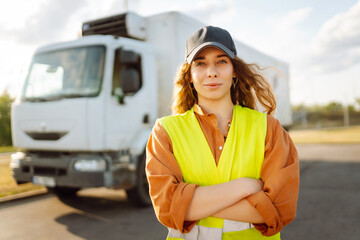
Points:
(212, 85)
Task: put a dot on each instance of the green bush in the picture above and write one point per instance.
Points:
(5, 127)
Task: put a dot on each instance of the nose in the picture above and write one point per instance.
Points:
(212, 72)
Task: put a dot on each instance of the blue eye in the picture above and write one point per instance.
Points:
(222, 61)
(200, 64)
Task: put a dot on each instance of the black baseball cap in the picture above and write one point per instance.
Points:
(209, 36)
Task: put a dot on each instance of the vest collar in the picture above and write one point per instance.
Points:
(199, 110)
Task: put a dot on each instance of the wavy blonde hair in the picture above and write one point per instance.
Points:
(248, 88)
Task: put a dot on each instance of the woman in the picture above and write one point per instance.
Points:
(219, 169)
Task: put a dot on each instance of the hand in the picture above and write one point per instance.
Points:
(251, 185)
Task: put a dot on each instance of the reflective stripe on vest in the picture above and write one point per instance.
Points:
(242, 156)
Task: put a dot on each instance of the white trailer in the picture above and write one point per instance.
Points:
(88, 105)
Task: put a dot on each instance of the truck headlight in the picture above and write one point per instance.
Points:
(15, 159)
(15, 163)
(18, 155)
(84, 165)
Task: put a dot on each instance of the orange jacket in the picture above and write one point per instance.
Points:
(280, 173)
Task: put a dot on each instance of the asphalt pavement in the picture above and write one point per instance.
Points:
(329, 198)
(328, 206)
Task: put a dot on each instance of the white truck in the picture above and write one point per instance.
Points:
(87, 106)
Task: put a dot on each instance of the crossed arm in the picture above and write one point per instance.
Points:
(269, 207)
(226, 201)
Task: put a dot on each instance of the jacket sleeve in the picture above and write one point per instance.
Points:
(280, 173)
(170, 196)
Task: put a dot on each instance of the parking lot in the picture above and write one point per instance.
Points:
(328, 207)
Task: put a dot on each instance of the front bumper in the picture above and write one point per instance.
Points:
(60, 168)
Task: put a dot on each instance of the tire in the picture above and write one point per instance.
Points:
(64, 191)
(139, 195)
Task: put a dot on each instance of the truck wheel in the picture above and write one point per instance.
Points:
(139, 195)
(64, 191)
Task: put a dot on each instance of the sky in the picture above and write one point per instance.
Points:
(320, 40)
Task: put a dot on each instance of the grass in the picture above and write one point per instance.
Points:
(341, 135)
(8, 185)
(7, 149)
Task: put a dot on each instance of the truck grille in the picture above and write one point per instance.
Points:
(47, 171)
(52, 136)
(48, 154)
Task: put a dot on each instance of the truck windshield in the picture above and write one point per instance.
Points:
(67, 73)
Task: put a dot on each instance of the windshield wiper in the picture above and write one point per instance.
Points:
(54, 98)
(37, 99)
(73, 95)
(43, 99)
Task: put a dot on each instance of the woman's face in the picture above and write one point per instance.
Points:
(212, 73)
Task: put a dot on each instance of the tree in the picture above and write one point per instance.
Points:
(300, 107)
(357, 100)
(5, 127)
(351, 108)
(334, 106)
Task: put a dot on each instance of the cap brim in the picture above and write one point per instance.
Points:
(228, 52)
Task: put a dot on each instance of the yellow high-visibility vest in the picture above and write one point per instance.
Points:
(242, 156)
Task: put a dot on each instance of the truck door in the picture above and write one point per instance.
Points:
(127, 110)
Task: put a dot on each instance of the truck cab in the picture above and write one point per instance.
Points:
(85, 114)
